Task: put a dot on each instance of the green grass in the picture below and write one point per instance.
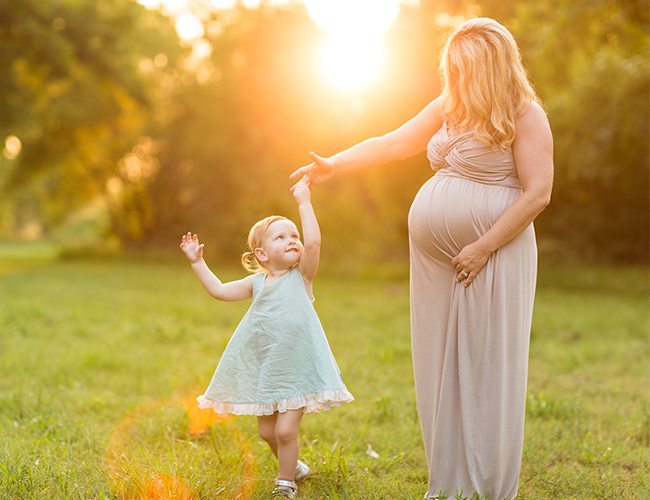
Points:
(100, 362)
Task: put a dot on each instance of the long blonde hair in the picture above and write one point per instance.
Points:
(485, 84)
(255, 236)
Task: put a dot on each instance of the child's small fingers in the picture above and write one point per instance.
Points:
(303, 182)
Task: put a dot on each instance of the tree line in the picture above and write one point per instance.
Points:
(104, 106)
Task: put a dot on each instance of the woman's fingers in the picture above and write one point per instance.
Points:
(316, 159)
(302, 171)
(465, 277)
(316, 172)
(468, 263)
(307, 170)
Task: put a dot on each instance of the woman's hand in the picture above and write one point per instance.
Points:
(469, 262)
(190, 246)
(320, 170)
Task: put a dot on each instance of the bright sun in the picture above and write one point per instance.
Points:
(353, 55)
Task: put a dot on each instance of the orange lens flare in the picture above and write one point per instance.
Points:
(167, 488)
(132, 477)
(200, 420)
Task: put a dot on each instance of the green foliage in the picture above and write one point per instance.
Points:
(598, 99)
(73, 93)
(114, 112)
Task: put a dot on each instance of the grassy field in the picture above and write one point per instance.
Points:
(100, 362)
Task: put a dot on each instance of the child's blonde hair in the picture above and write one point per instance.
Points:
(249, 260)
(485, 83)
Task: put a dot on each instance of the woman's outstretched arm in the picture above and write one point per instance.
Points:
(401, 143)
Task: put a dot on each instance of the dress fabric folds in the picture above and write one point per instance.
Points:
(278, 359)
(470, 345)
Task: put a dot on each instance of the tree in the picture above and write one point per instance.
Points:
(597, 97)
(73, 93)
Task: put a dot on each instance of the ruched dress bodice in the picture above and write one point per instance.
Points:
(470, 344)
(466, 157)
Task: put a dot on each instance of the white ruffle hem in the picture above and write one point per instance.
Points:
(310, 403)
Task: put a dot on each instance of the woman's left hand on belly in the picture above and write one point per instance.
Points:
(469, 262)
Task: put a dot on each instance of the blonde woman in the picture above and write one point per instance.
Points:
(473, 256)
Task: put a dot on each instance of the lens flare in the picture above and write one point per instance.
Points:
(130, 470)
(167, 488)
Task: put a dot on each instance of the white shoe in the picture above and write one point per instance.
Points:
(286, 489)
(302, 472)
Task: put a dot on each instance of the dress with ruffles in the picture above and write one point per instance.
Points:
(470, 344)
(278, 359)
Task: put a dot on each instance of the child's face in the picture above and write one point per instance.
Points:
(281, 246)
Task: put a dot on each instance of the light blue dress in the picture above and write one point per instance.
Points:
(278, 359)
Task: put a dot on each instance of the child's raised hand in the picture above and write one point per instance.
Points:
(301, 191)
(190, 246)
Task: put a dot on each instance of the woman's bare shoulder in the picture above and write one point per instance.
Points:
(532, 117)
(533, 132)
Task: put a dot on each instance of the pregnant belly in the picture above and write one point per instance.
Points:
(450, 212)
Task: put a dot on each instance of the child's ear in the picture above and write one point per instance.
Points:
(260, 254)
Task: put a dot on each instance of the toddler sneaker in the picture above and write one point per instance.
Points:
(302, 472)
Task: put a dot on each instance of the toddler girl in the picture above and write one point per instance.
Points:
(278, 364)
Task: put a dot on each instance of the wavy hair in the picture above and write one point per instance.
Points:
(255, 236)
(486, 86)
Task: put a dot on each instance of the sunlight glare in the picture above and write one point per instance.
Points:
(353, 15)
(351, 63)
(168, 6)
(353, 55)
(189, 27)
(223, 4)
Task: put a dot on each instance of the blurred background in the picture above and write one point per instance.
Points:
(125, 124)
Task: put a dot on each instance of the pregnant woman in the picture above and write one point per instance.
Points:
(473, 256)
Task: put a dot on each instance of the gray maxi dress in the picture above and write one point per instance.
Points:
(470, 345)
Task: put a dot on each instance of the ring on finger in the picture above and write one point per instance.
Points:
(463, 275)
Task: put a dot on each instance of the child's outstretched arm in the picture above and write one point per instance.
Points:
(229, 292)
(310, 232)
